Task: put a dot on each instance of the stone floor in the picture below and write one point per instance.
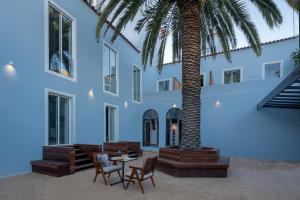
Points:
(247, 179)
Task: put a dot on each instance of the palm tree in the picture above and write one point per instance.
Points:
(192, 25)
(295, 4)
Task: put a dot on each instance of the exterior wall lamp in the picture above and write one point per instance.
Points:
(10, 69)
(218, 103)
(91, 93)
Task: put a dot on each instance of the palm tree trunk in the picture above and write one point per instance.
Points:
(190, 16)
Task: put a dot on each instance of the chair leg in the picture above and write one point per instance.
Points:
(152, 180)
(104, 178)
(108, 175)
(120, 175)
(128, 182)
(95, 177)
(141, 186)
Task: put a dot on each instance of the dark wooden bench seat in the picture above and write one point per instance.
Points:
(50, 167)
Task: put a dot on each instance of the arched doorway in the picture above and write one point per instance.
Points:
(173, 127)
(150, 128)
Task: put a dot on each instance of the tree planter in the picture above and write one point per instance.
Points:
(192, 163)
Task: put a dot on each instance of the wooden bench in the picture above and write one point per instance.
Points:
(50, 167)
(127, 147)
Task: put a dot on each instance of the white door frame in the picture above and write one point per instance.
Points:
(71, 114)
(116, 120)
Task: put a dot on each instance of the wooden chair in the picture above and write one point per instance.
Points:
(140, 174)
(100, 168)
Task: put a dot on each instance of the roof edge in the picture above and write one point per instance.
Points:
(242, 48)
(113, 27)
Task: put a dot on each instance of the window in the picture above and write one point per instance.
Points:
(137, 82)
(110, 123)
(272, 70)
(232, 76)
(60, 43)
(58, 119)
(150, 128)
(211, 78)
(164, 85)
(177, 85)
(110, 70)
(202, 80)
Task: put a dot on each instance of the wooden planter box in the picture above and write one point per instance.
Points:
(193, 163)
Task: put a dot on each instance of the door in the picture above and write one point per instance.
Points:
(58, 119)
(110, 123)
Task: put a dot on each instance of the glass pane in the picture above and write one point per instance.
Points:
(138, 87)
(236, 76)
(106, 74)
(227, 77)
(64, 120)
(107, 123)
(53, 120)
(112, 124)
(54, 56)
(67, 57)
(113, 71)
(136, 84)
(167, 85)
(201, 80)
(161, 86)
(272, 71)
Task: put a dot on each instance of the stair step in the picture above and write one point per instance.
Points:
(80, 154)
(83, 159)
(85, 166)
(133, 155)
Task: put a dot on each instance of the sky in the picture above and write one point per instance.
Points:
(266, 34)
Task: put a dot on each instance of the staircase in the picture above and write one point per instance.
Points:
(132, 154)
(82, 160)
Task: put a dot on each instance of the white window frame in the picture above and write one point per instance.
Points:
(72, 115)
(116, 123)
(117, 69)
(231, 69)
(263, 72)
(46, 41)
(170, 86)
(204, 78)
(141, 84)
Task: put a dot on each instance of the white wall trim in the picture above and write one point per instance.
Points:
(263, 72)
(116, 123)
(117, 69)
(72, 119)
(141, 83)
(204, 78)
(46, 40)
(170, 85)
(231, 69)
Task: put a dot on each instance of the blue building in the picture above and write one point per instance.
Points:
(59, 85)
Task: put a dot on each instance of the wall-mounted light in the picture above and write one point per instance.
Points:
(218, 103)
(125, 104)
(174, 105)
(91, 93)
(10, 69)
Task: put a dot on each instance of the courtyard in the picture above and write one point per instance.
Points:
(247, 179)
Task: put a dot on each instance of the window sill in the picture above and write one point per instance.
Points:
(61, 76)
(110, 93)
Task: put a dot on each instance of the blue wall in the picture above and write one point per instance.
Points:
(236, 127)
(245, 58)
(22, 107)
